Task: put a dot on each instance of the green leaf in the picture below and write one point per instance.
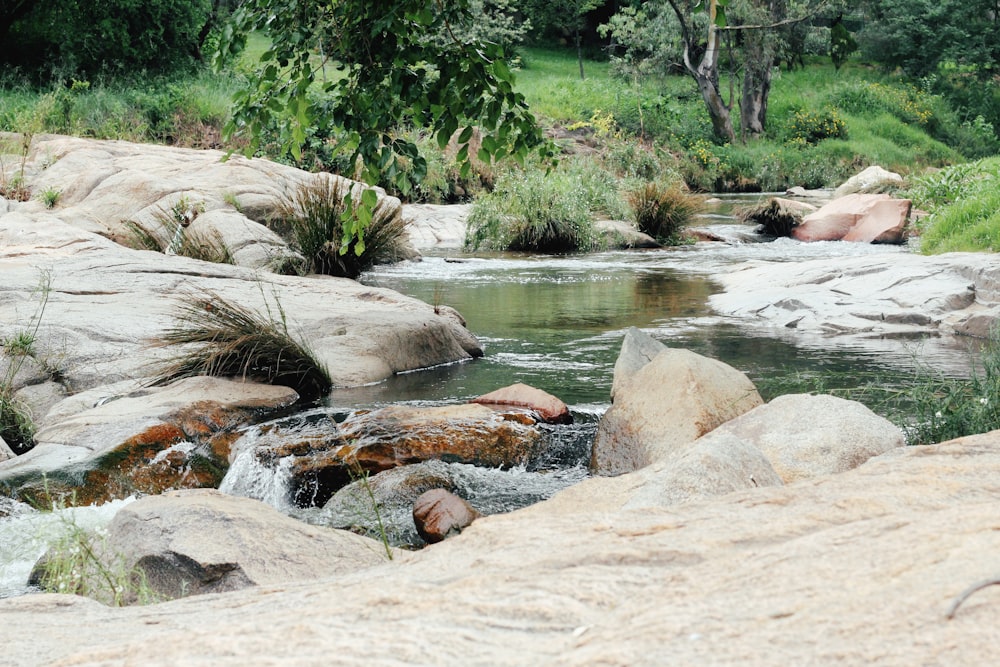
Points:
(466, 135)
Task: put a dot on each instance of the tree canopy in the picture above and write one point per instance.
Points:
(393, 71)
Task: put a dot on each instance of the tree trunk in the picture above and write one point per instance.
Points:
(706, 75)
(753, 103)
(579, 53)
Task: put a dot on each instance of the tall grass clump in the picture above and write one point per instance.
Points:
(221, 338)
(537, 211)
(663, 211)
(316, 217)
(944, 408)
(173, 237)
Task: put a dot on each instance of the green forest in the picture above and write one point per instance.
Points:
(585, 107)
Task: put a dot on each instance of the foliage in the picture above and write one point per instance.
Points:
(392, 73)
(663, 212)
(49, 197)
(316, 218)
(535, 210)
(498, 22)
(118, 37)
(813, 126)
(944, 408)
(964, 203)
(224, 339)
(918, 36)
(78, 564)
(842, 44)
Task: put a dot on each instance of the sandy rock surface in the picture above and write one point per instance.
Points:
(857, 568)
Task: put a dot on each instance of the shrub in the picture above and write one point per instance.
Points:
(540, 211)
(663, 212)
(224, 339)
(318, 216)
(813, 127)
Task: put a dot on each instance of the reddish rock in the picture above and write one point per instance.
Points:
(833, 221)
(439, 514)
(400, 435)
(885, 222)
(547, 406)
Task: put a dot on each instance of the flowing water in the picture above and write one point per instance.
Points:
(556, 323)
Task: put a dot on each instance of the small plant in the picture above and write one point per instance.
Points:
(361, 476)
(231, 199)
(663, 212)
(50, 197)
(320, 213)
(946, 408)
(174, 223)
(225, 339)
(772, 218)
(79, 563)
(17, 427)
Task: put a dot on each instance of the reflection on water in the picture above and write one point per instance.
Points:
(556, 322)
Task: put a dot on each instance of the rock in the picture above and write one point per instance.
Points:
(201, 541)
(146, 440)
(5, 451)
(437, 226)
(400, 435)
(777, 216)
(545, 405)
(623, 235)
(806, 436)
(835, 220)
(861, 300)
(714, 465)
(857, 568)
(638, 349)
(870, 177)
(698, 235)
(362, 334)
(885, 222)
(670, 402)
(440, 514)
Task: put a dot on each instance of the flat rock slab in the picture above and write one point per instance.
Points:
(858, 568)
(867, 296)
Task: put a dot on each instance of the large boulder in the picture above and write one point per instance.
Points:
(865, 218)
(519, 395)
(436, 225)
(857, 568)
(805, 435)
(638, 349)
(866, 299)
(871, 177)
(201, 541)
(670, 402)
(116, 441)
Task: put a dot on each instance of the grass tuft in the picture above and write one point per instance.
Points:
(315, 215)
(224, 339)
(663, 212)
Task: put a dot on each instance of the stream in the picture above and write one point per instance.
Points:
(557, 323)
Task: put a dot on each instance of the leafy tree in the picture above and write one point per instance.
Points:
(566, 17)
(115, 36)
(842, 44)
(394, 72)
(918, 35)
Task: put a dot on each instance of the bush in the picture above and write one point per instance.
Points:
(663, 212)
(317, 219)
(534, 210)
(812, 127)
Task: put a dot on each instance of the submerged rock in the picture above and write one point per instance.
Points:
(440, 514)
(329, 456)
(670, 402)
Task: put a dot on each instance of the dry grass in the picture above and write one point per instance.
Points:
(772, 218)
(663, 212)
(224, 339)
